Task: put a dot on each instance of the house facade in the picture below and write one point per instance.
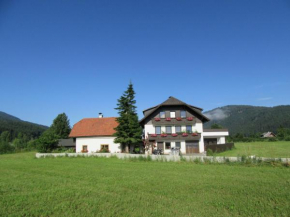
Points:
(171, 124)
(175, 124)
(95, 134)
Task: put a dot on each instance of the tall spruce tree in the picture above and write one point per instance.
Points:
(128, 132)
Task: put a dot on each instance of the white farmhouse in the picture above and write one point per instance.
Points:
(95, 134)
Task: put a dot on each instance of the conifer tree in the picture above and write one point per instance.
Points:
(128, 132)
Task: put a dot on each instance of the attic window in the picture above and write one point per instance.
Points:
(182, 114)
(162, 114)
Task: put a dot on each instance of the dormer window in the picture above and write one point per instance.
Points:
(182, 114)
(162, 114)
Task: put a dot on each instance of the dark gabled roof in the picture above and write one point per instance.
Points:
(66, 143)
(173, 101)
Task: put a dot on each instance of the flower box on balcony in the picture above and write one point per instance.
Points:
(195, 134)
(190, 118)
(184, 134)
(179, 119)
(153, 135)
(174, 134)
(157, 119)
(168, 119)
(163, 135)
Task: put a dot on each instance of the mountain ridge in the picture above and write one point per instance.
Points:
(15, 126)
(248, 119)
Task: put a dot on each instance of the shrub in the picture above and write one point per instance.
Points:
(47, 142)
(287, 138)
(272, 140)
(209, 152)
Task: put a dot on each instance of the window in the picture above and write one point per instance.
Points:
(162, 114)
(104, 147)
(177, 145)
(167, 145)
(157, 130)
(85, 148)
(172, 114)
(182, 114)
(189, 129)
(168, 129)
(177, 129)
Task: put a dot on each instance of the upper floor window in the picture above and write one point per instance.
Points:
(177, 129)
(182, 114)
(168, 129)
(172, 114)
(157, 130)
(162, 114)
(189, 129)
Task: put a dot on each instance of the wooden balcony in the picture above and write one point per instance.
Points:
(168, 137)
(173, 121)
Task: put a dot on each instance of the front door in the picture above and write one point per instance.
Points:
(160, 145)
(192, 147)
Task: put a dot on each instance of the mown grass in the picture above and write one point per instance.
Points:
(279, 149)
(112, 187)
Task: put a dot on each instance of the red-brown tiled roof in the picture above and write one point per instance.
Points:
(94, 127)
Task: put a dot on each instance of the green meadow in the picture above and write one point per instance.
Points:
(279, 149)
(111, 187)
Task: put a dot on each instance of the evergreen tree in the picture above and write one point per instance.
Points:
(128, 132)
(61, 126)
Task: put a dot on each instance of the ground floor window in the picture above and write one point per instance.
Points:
(85, 148)
(104, 147)
(167, 145)
(177, 145)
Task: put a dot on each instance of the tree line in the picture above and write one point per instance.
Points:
(46, 142)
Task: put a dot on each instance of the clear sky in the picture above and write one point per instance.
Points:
(78, 57)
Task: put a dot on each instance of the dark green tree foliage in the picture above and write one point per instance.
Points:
(5, 146)
(128, 131)
(47, 141)
(216, 126)
(61, 126)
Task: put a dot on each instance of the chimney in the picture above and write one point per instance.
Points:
(100, 115)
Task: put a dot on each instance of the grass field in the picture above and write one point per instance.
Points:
(113, 187)
(260, 149)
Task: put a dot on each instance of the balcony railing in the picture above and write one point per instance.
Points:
(173, 121)
(173, 136)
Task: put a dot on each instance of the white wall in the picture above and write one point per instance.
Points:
(149, 128)
(215, 134)
(94, 144)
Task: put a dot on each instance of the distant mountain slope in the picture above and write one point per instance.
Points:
(15, 125)
(249, 119)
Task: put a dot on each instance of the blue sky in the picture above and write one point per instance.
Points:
(78, 57)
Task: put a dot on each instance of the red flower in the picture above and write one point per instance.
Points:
(190, 118)
(157, 119)
(163, 135)
(195, 134)
(174, 134)
(184, 134)
(168, 119)
(153, 135)
(179, 119)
